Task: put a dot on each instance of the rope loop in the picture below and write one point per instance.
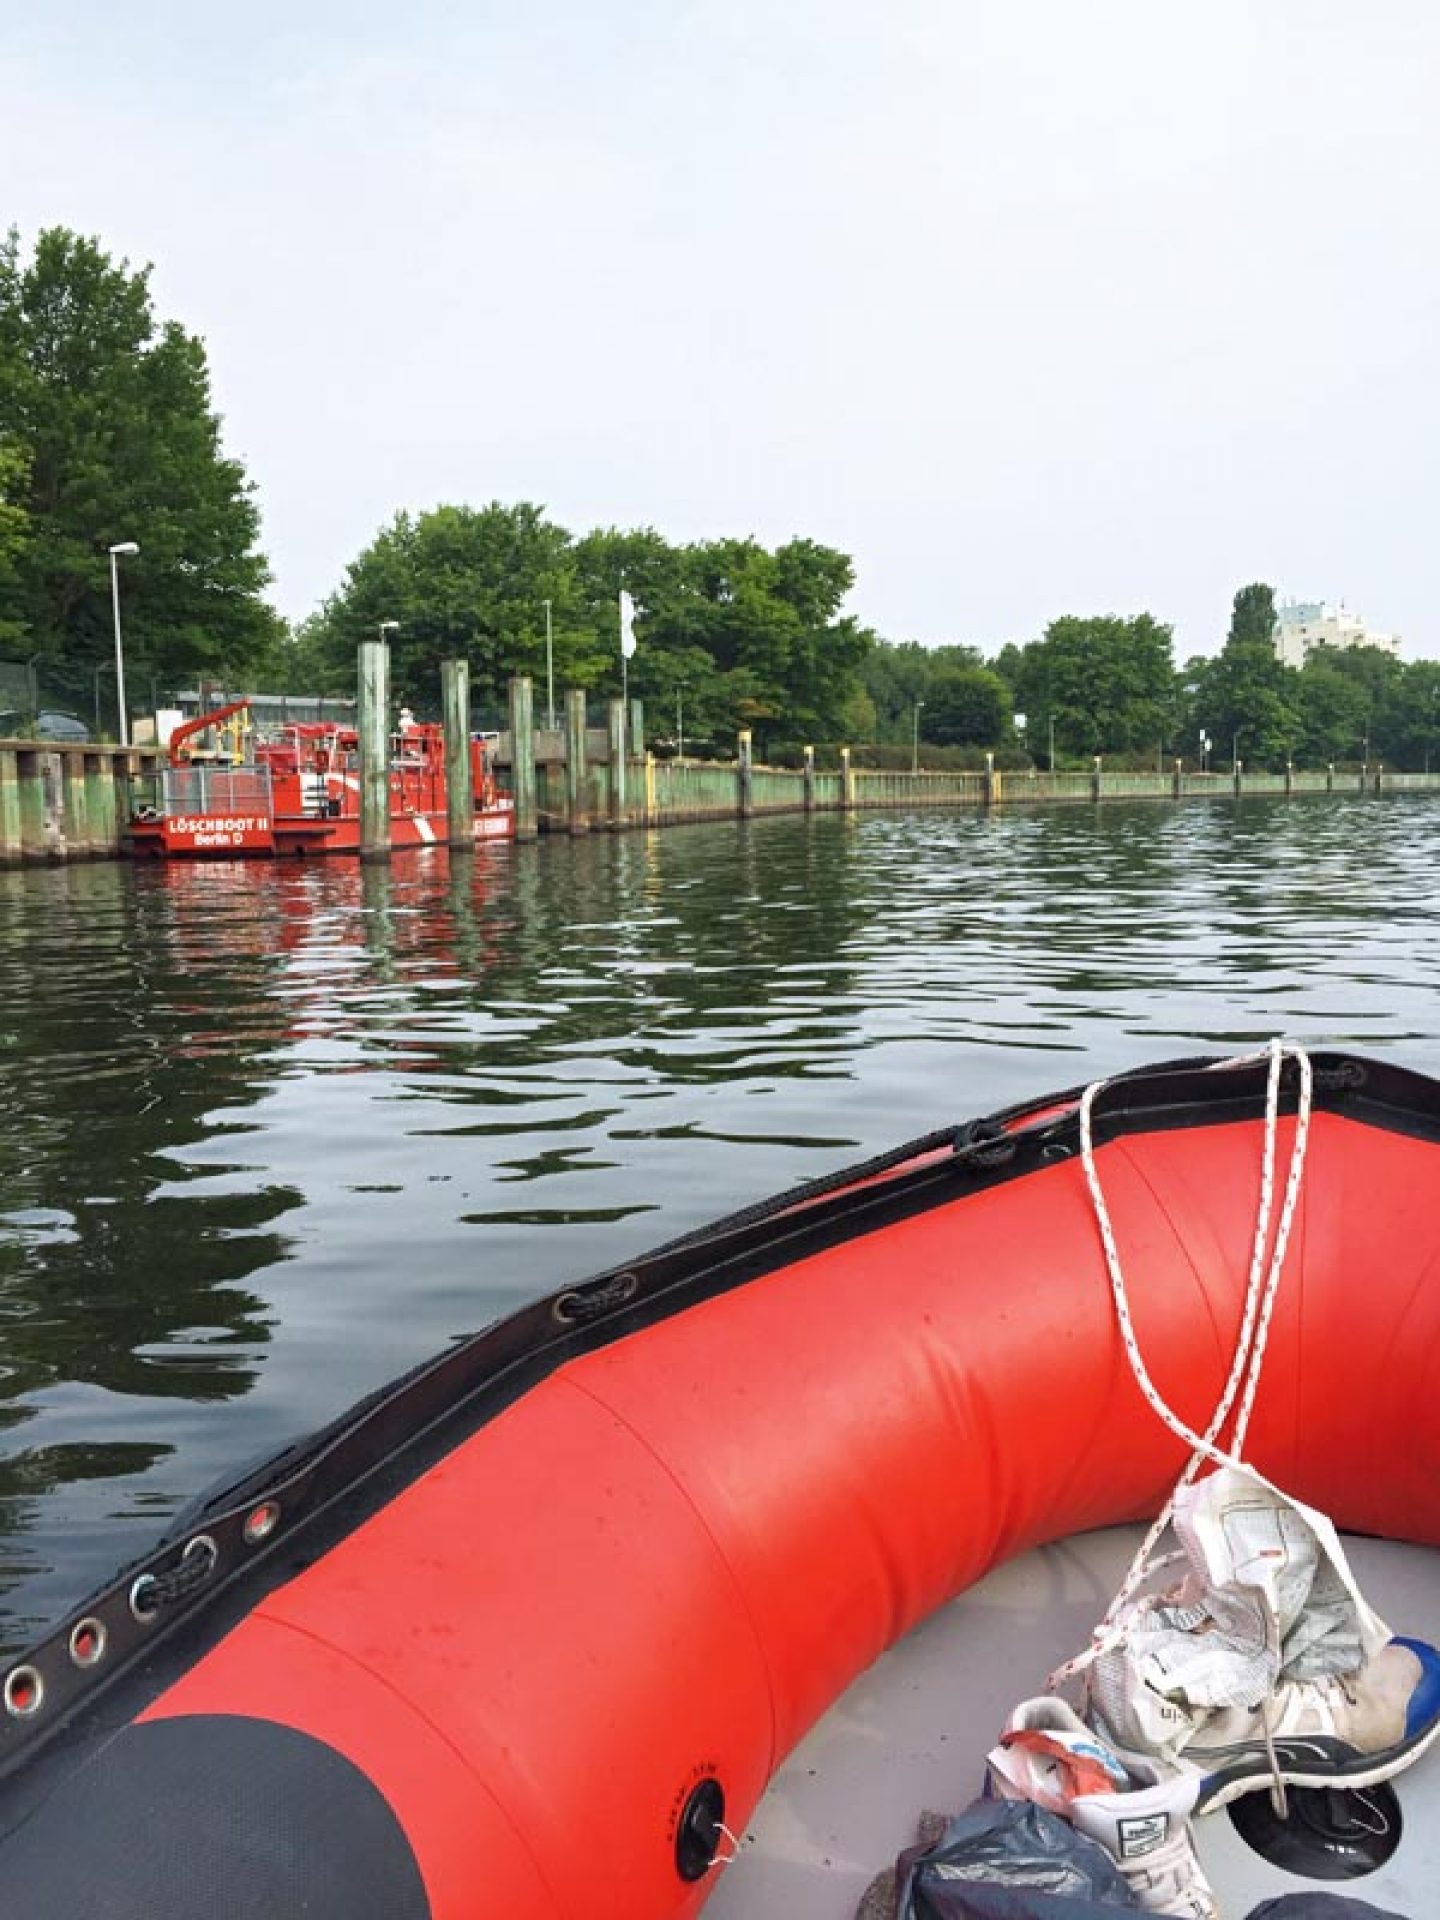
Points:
(152, 1593)
(985, 1144)
(1267, 1261)
(725, 1859)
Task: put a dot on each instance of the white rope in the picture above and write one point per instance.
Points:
(722, 1860)
(1261, 1287)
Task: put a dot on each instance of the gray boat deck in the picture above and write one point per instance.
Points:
(912, 1733)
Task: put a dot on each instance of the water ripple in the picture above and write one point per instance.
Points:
(270, 1133)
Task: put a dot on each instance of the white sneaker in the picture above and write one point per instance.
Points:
(1349, 1730)
(1136, 1812)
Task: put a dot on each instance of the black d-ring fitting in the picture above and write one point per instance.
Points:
(697, 1838)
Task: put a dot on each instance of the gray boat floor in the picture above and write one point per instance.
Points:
(912, 1733)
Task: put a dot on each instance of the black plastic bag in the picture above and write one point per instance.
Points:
(1010, 1860)
(1320, 1906)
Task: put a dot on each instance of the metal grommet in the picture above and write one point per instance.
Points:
(261, 1522)
(87, 1642)
(142, 1606)
(24, 1690)
(1054, 1150)
(202, 1547)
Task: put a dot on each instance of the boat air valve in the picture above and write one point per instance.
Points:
(698, 1834)
(1328, 1833)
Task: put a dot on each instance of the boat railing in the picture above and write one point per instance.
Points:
(210, 790)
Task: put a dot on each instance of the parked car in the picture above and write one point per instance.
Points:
(15, 725)
(60, 726)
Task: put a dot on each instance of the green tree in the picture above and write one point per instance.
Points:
(300, 661)
(1252, 616)
(14, 536)
(1108, 684)
(1333, 710)
(781, 658)
(652, 572)
(463, 581)
(740, 635)
(966, 706)
(684, 694)
(1410, 724)
(1247, 702)
(1009, 663)
(896, 674)
(1380, 703)
(109, 413)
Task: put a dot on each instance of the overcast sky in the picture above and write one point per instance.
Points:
(1040, 307)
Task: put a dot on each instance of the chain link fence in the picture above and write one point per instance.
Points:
(52, 698)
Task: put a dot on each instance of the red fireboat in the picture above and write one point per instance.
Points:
(226, 792)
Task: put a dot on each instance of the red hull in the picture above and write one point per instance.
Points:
(224, 836)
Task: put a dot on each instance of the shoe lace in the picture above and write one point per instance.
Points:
(1321, 1691)
(1320, 1696)
(1279, 1798)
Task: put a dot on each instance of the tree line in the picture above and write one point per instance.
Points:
(1110, 686)
(730, 633)
(108, 434)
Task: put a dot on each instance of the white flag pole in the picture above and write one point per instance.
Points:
(627, 647)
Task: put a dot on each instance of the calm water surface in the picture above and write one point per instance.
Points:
(270, 1133)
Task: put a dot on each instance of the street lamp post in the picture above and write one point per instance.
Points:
(1052, 743)
(915, 739)
(120, 547)
(1204, 751)
(549, 670)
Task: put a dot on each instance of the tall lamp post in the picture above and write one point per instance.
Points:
(126, 547)
(549, 670)
(1052, 743)
(915, 739)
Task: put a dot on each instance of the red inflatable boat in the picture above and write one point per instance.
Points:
(517, 1635)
